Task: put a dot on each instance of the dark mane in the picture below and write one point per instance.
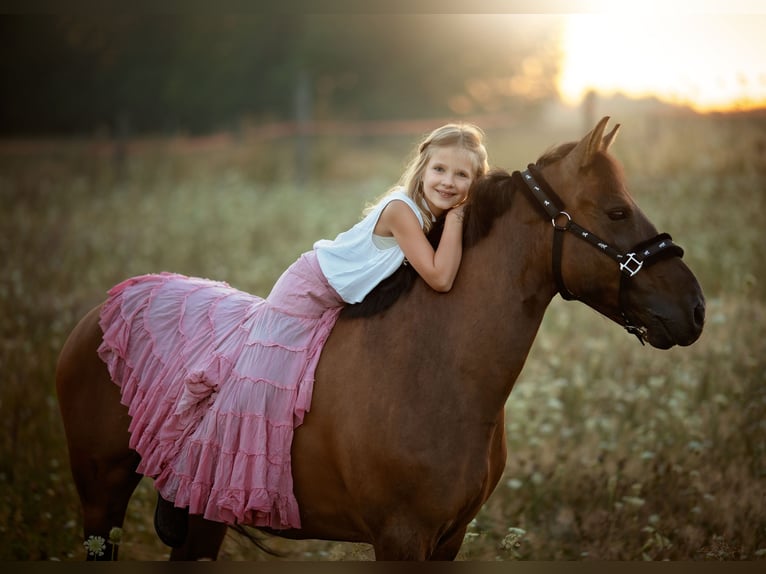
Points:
(555, 154)
(490, 197)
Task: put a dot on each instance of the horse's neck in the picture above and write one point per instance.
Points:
(504, 287)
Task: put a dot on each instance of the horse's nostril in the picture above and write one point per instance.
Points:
(699, 315)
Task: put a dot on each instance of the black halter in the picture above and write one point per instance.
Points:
(639, 257)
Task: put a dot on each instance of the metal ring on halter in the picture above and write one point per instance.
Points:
(562, 227)
(631, 265)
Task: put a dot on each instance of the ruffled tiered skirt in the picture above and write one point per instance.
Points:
(215, 381)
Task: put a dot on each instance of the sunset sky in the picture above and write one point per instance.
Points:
(708, 55)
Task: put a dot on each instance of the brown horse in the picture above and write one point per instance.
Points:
(405, 439)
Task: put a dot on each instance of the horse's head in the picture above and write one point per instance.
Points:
(614, 260)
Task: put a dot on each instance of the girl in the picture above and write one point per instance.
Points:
(216, 380)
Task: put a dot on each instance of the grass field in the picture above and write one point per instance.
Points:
(616, 451)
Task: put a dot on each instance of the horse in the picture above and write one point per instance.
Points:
(405, 440)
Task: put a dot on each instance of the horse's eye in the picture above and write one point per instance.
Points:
(618, 214)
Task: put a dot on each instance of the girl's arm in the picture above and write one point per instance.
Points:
(438, 268)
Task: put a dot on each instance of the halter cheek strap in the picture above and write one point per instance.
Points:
(630, 263)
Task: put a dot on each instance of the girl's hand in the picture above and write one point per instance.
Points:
(438, 268)
(458, 211)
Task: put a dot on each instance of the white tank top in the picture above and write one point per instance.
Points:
(352, 263)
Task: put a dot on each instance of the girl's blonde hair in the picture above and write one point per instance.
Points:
(462, 135)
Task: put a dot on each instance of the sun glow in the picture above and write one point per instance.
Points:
(708, 62)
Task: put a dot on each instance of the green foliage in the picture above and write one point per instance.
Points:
(616, 451)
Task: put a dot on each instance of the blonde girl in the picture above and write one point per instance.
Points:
(435, 182)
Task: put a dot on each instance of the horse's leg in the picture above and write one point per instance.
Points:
(448, 547)
(105, 491)
(171, 523)
(203, 541)
(96, 426)
(400, 539)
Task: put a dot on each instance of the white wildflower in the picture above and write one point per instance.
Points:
(512, 540)
(634, 501)
(555, 404)
(656, 381)
(95, 545)
(695, 446)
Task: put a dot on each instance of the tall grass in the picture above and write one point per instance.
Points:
(615, 451)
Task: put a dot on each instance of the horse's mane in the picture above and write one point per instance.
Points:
(490, 197)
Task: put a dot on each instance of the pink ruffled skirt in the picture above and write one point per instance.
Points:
(215, 381)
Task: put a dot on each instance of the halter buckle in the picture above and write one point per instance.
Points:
(567, 221)
(631, 265)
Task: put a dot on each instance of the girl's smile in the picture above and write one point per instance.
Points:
(447, 178)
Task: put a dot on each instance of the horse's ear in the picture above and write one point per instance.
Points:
(584, 151)
(609, 138)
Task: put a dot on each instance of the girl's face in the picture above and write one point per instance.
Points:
(447, 178)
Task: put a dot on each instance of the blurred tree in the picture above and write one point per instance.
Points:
(196, 73)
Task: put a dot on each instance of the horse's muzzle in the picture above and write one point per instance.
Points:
(682, 326)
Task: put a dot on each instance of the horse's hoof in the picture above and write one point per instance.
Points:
(171, 523)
